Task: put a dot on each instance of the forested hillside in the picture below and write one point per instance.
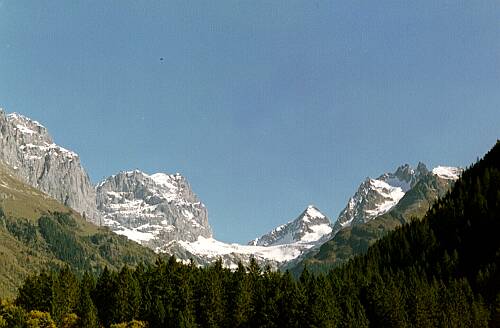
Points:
(39, 233)
(441, 271)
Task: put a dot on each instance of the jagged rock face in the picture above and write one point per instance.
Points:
(375, 197)
(310, 226)
(27, 147)
(152, 209)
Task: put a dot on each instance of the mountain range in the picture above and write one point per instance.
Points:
(160, 211)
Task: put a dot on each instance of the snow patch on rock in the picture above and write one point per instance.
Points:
(153, 210)
(447, 172)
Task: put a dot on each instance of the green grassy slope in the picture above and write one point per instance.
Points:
(37, 233)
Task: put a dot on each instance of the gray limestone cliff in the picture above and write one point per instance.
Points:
(27, 147)
(152, 209)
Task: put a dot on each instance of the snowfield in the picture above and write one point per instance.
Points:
(447, 172)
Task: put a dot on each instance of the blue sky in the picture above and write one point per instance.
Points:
(265, 106)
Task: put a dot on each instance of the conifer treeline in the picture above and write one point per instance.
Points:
(441, 271)
(170, 294)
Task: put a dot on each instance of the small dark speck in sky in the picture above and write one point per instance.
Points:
(161, 58)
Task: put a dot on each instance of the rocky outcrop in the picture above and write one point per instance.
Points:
(27, 147)
(152, 209)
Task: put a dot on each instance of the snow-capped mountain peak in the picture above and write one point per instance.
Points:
(391, 194)
(152, 209)
(312, 212)
(35, 139)
(166, 179)
(309, 227)
(26, 125)
(375, 197)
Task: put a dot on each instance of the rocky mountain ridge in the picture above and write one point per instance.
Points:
(152, 209)
(376, 197)
(355, 238)
(28, 149)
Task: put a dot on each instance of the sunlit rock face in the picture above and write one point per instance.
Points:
(27, 147)
(153, 210)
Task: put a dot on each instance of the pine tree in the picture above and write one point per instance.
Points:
(238, 298)
(87, 312)
(36, 293)
(209, 297)
(291, 303)
(104, 297)
(126, 297)
(65, 291)
(495, 317)
(157, 317)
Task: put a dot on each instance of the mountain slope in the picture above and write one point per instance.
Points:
(356, 239)
(37, 233)
(27, 147)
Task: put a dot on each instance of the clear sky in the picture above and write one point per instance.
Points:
(265, 106)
